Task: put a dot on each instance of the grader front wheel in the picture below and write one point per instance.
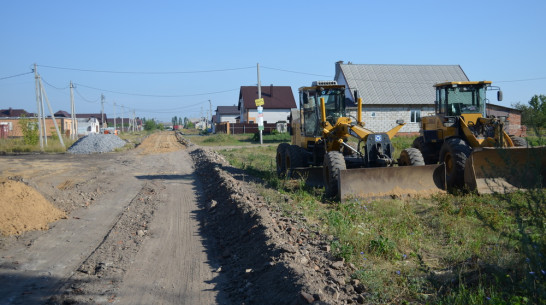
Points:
(333, 163)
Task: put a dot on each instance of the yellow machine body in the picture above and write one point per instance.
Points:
(460, 132)
(321, 129)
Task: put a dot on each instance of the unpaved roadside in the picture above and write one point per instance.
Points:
(136, 200)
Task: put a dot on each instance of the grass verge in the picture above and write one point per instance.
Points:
(448, 249)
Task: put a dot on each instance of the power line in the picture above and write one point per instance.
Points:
(145, 72)
(83, 98)
(12, 76)
(156, 95)
(54, 86)
(520, 80)
(296, 72)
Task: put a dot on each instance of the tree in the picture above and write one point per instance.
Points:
(174, 120)
(188, 123)
(533, 115)
(150, 125)
(29, 128)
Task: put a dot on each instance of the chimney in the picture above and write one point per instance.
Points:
(338, 69)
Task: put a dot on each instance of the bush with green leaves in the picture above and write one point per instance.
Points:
(29, 128)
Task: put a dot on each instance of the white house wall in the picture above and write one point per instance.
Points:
(228, 118)
(270, 115)
(386, 116)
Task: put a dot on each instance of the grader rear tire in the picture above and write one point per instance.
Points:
(428, 150)
(454, 153)
(293, 158)
(333, 163)
(281, 159)
(411, 157)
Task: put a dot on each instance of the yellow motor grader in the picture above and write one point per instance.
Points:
(478, 153)
(320, 151)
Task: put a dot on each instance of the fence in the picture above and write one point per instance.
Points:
(241, 128)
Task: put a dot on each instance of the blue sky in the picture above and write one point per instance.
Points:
(501, 41)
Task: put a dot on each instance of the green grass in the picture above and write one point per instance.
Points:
(17, 145)
(448, 249)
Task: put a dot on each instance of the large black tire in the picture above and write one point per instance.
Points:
(411, 157)
(333, 163)
(294, 157)
(454, 153)
(518, 141)
(281, 159)
(429, 151)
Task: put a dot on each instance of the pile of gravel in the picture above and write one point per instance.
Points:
(96, 143)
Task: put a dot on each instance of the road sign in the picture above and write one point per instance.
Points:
(259, 102)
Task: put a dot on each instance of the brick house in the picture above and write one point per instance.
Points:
(11, 117)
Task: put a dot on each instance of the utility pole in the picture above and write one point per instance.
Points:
(72, 113)
(134, 121)
(122, 111)
(52, 115)
(38, 99)
(210, 109)
(115, 126)
(260, 115)
(102, 110)
(42, 113)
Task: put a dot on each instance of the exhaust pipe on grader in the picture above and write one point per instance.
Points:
(320, 130)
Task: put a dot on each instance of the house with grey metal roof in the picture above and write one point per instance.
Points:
(393, 92)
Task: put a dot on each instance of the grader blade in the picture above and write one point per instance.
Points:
(381, 182)
(504, 170)
(311, 175)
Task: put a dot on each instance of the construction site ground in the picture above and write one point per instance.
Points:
(165, 223)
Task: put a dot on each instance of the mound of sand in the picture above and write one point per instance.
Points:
(22, 209)
(160, 143)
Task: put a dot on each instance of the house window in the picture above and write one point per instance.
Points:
(415, 116)
(372, 114)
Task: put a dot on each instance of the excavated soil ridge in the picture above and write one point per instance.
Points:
(268, 258)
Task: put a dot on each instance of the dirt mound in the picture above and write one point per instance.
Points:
(159, 143)
(22, 209)
(269, 258)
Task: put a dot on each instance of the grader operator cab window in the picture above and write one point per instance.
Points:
(310, 114)
(457, 100)
(334, 101)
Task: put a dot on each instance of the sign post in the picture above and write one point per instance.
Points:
(259, 103)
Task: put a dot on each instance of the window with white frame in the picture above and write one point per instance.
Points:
(415, 116)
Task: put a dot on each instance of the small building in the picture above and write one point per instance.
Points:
(227, 114)
(513, 118)
(88, 125)
(278, 101)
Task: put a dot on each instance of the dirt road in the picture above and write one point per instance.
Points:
(132, 235)
(161, 224)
